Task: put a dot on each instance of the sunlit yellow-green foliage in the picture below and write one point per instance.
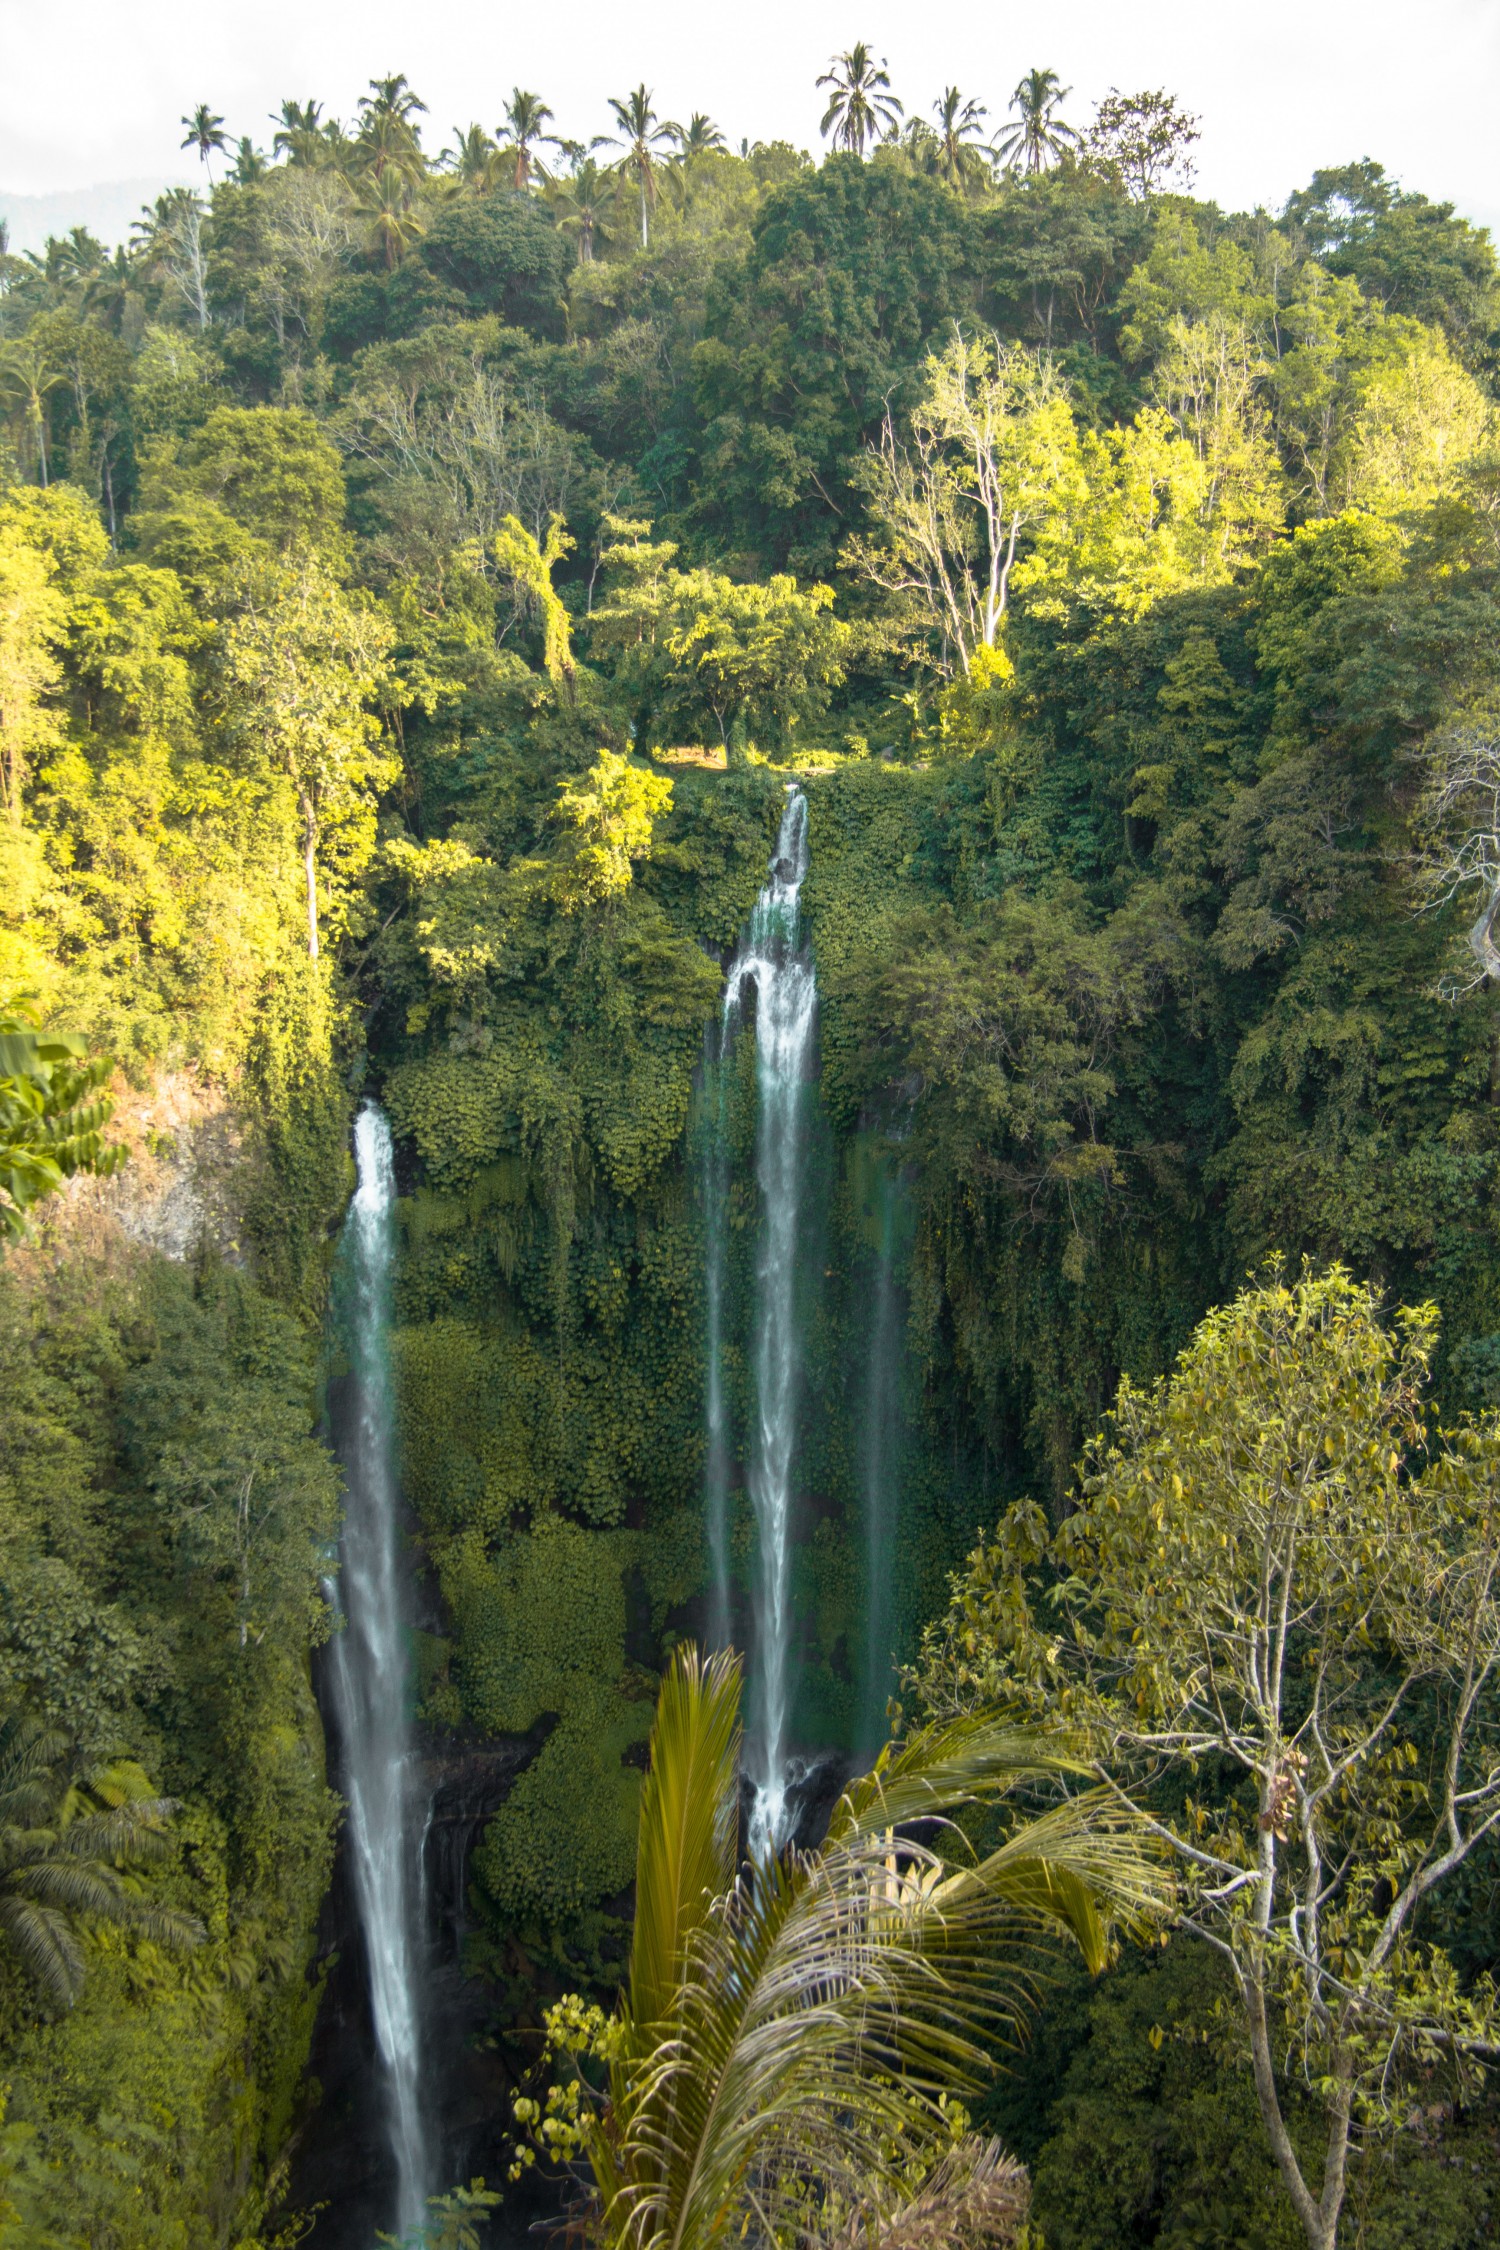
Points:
(302, 663)
(529, 564)
(607, 818)
(705, 654)
(32, 623)
(412, 508)
(135, 839)
(1421, 420)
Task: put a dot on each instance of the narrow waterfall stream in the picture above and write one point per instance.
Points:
(773, 958)
(369, 1672)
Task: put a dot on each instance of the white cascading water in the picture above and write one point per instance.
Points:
(369, 1667)
(772, 958)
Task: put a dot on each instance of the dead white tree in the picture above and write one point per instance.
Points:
(1458, 826)
(989, 451)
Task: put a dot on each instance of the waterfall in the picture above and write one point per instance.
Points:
(369, 1670)
(772, 958)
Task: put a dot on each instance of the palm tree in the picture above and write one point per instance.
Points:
(1040, 138)
(585, 201)
(205, 133)
(790, 2032)
(388, 139)
(26, 384)
(392, 97)
(249, 163)
(66, 1832)
(472, 159)
(641, 133)
(387, 204)
(861, 106)
(525, 116)
(958, 126)
(698, 138)
(299, 135)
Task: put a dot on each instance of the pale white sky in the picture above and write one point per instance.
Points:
(91, 90)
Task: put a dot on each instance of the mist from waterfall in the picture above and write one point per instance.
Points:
(369, 1671)
(774, 960)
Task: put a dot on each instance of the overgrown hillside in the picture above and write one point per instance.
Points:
(419, 579)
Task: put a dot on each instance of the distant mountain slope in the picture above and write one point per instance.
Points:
(108, 210)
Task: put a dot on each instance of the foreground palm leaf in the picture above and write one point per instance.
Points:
(783, 2062)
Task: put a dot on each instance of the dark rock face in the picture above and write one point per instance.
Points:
(341, 2158)
(464, 1788)
(813, 1789)
(814, 1786)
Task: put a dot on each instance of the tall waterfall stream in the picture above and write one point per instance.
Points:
(369, 1675)
(771, 973)
(774, 959)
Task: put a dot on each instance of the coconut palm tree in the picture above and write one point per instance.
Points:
(205, 133)
(861, 106)
(299, 134)
(249, 164)
(641, 133)
(698, 138)
(1040, 138)
(782, 2056)
(959, 124)
(474, 160)
(389, 139)
(27, 382)
(585, 201)
(392, 97)
(525, 116)
(387, 204)
(67, 1833)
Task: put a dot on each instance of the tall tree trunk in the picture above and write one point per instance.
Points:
(1320, 2219)
(1482, 937)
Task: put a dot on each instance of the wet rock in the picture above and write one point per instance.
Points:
(342, 2157)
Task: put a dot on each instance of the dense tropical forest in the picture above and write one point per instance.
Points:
(424, 570)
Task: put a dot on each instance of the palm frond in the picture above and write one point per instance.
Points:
(803, 2022)
(66, 1837)
(44, 1943)
(685, 1856)
(133, 1832)
(975, 2195)
(69, 1886)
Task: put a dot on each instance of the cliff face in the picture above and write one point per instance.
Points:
(184, 1189)
(164, 1502)
(341, 2158)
